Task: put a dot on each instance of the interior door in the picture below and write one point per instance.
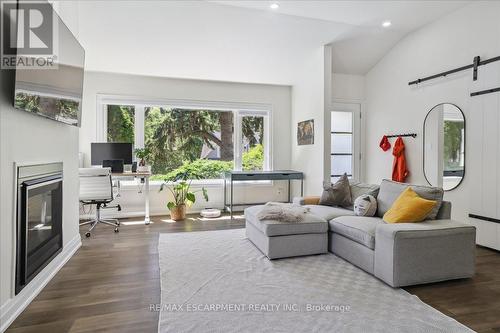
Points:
(344, 146)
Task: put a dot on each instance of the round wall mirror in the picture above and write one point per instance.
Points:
(444, 146)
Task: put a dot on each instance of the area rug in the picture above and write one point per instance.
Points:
(217, 281)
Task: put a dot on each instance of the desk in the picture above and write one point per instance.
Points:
(231, 176)
(142, 175)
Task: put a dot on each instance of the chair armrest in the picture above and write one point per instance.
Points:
(309, 200)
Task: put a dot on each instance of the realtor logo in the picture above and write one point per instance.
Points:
(29, 33)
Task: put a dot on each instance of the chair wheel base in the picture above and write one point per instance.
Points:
(87, 234)
(117, 230)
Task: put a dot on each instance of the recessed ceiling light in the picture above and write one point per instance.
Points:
(386, 24)
(274, 6)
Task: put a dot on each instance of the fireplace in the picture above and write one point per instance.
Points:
(39, 219)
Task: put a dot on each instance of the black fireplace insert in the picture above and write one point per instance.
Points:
(39, 219)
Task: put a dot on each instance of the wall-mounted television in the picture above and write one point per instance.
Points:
(56, 92)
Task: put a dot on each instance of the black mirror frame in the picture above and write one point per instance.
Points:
(465, 145)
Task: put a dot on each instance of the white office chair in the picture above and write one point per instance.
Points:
(96, 189)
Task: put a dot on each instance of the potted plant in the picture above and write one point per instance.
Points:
(183, 196)
(142, 154)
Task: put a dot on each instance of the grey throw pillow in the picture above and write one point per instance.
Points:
(358, 189)
(338, 194)
(390, 191)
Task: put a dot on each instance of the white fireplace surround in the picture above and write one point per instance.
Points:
(14, 306)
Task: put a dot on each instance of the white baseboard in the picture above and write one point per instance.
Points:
(132, 214)
(11, 309)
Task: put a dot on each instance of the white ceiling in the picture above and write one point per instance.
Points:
(198, 40)
(405, 14)
(243, 41)
(357, 50)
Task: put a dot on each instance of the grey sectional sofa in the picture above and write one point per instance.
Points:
(399, 254)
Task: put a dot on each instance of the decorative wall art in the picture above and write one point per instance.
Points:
(305, 132)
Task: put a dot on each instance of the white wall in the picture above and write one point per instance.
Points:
(395, 107)
(69, 13)
(348, 87)
(308, 103)
(279, 97)
(28, 138)
(316, 89)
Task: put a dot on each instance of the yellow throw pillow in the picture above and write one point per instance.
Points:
(409, 207)
(312, 200)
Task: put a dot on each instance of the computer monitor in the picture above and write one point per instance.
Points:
(110, 151)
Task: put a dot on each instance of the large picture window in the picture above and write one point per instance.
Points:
(180, 140)
(205, 142)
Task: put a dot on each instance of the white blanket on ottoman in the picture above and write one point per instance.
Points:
(282, 212)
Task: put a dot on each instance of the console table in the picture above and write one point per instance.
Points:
(241, 176)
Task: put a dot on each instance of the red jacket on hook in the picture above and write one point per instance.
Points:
(399, 171)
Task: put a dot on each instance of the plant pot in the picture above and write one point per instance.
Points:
(143, 168)
(178, 213)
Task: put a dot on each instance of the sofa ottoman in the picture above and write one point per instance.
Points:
(277, 239)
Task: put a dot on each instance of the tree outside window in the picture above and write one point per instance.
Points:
(120, 123)
(180, 140)
(200, 142)
(252, 128)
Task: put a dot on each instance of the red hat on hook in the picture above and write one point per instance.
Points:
(385, 144)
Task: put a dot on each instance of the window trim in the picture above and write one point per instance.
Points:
(239, 109)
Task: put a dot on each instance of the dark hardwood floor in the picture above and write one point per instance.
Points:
(473, 302)
(108, 285)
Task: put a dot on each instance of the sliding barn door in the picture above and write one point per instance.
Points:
(483, 135)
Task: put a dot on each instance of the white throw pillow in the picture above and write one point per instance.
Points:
(365, 205)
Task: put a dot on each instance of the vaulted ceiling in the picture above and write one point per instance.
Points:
(242, 41)
(359, 48)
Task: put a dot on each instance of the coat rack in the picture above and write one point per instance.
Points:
(477, 62)
(413, 135)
